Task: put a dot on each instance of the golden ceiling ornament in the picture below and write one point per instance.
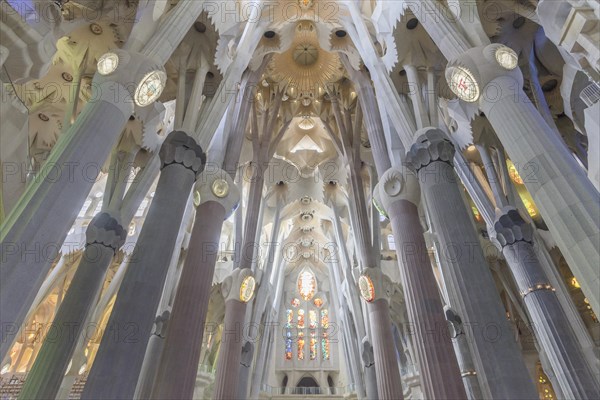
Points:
(305, 4)
(305, 67)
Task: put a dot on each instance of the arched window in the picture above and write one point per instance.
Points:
(307, 284)
(307, 321)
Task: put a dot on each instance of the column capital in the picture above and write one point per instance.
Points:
(431, 145)
(470, 74)
(180, 148)
(218, 186)
(106, 230)
(142, 78)
(239, 286)
(395, 185)
(374, 285)
(510, 228)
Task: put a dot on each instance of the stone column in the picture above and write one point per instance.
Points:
(368, 360)
(373, 291)
(245, 364)
(104, 237)
(179, 364)
(154, 350)
(116, 368)
(552, 329)
(237, 289)
(471, 288)
(566, 198)
(37, 226)
(399, 194)
(463, 356)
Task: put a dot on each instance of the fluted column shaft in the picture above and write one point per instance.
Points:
(370, 374)
(469, 281)
(565, 196)
(37, 226)
(467, 368)
(389, 386)
(227, 375)
(179, 364)
(29, 239)
(437, 361)
(104, 237)
(173, 29)
(116, 368)
(463, 356)
(441, 25)
(550, 324)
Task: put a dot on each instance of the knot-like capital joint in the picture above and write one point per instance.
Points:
(455, 321)
(472, 75)
(431, 145)
(510, 227)
(374, 285)
(131, 71)
(239, 286)
(395, 185)
(216, 185)
(106, 230)
(180, 148)
(367, 353)
(161, 323)
(247, 353)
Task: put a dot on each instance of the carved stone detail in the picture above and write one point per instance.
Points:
(455, 322)
(247, 353)
(510, 228)
(180, 148)
(106, 230)
(230, 288)
(161, 323)
(431, 145)
(367, 354)
(204, 186)
(395, 185)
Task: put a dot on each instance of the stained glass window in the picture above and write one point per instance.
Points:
(300, 345)
(301, 319)
(325, 339)
(313, 345)
(307, 284)
(325, 346)
(295, 302)
(312, 319)
(324, 319)
(290, 318)
(318, 302)
(288, 345)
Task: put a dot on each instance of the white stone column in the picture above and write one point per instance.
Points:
(37, 226)
(389, 386)
(230, 353)
(399, 195)
(463, 355)
(35, 229)
(566, 198)
(471, 288)
(549, 322)
(104, 237)
(116, 369)
(179, 364)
